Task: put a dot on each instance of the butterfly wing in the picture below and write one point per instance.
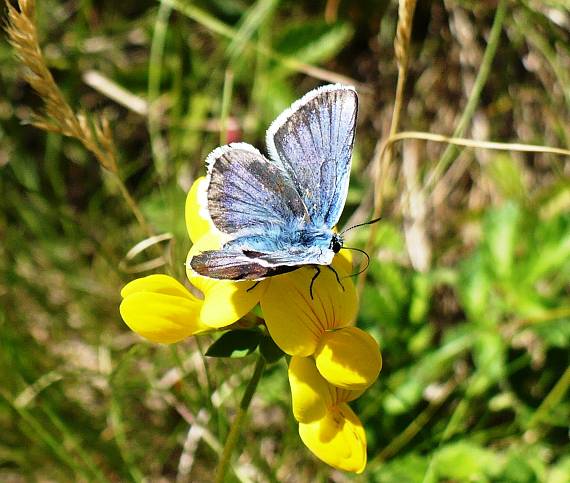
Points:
(241, 264)
(255, 202)
(313, 142)
(247, 193)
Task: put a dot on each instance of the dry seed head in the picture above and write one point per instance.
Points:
(404, 31)
(95, 134)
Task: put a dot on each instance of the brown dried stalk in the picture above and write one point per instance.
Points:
(406, 10)
(383, 155)
(94, 133)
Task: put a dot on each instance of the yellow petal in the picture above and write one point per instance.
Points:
(310, 392)
(197, 223)
(225, 301)
(295, 321)
(348, 358)
(158, 283)
(344, 261)
(338, 439)
(160, 309)
(340, 395)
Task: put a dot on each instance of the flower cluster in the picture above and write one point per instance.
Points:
(332, 361)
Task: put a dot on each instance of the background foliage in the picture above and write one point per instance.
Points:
(468, 293)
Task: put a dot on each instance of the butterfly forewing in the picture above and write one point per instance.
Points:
(313, 142)
(246, 192)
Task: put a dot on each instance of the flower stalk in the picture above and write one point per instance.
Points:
(235, 429)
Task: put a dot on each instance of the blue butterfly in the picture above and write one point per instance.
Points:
(278, 214)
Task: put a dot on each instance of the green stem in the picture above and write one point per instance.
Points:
(132, 204)
(552, 399)
(226, 105)
(451, 152)
(153, 88)
(233, 436)
(412, 429)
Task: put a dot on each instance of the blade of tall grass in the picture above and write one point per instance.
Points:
(42, 435)
(251, 21)
(451, 152)
(157, 143)
(541, 44)
(220, 28)
(226, 105)
(470, 143)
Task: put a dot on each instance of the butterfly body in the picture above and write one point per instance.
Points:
(278, 214)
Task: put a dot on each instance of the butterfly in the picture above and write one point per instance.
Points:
(278, 214)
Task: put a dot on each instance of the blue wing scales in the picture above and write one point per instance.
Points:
(313, 142)
(247, 193)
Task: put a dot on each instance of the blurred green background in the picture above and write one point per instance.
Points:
(468, 292)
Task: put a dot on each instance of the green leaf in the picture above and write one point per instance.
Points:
(501, 231)
(387, 299)
(475, 287)
(550, 249)
(489, 354)
(410, 467)
(466, 461)
(270, 350)
(314, 42)
(235, 343)
(420, 298)
(407, 385)
(249, 23)
(507, 175)
(560, 471)
(554, 333)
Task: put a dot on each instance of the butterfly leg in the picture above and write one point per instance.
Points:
(317, 273)
(330, 267)
(253, 286)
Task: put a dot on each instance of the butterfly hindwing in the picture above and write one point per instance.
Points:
(244, 264)
(313, 142)
(231, 265)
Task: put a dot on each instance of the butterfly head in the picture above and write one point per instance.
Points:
(336, 242)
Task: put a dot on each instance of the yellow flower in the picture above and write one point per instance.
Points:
(295, 321)
(161, 309)
(349, 358)
(322, 326)
(333, 362)
(327, 425)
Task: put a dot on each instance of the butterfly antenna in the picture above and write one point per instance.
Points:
(375, 220)
(364, 253)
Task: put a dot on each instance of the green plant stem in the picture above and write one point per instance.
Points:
(412, 429)
(233, 436)
(42, 434)
(226, 105)
(133, 205)
(552, 399)
(451, 152)
(153, 87)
